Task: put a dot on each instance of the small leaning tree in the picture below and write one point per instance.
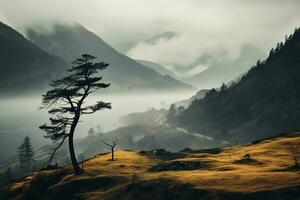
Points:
(66, 102)
(111, 146)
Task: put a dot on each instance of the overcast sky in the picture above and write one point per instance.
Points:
(166, 31)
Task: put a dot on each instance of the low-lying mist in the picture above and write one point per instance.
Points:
(21, 116)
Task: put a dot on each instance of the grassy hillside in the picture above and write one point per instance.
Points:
(263, 170)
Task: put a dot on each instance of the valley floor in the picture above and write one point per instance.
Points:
(262, 170)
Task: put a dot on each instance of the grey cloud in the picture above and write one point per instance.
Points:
(202, 27)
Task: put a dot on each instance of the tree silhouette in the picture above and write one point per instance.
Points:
(25, 154)
(67, 102)
(7, 175)
(2, 179)
(171, 116)
(111, 146)
(91, 132)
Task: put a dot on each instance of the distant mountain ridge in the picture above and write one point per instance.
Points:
(187, 102)
(157, 67)
(266, 100)
(224, 71)
(24, 66)
(125, 74)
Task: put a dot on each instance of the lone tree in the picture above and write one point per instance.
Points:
(111, 146)
(66, 101)
(25, 154)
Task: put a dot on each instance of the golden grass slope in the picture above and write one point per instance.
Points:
(269, 168)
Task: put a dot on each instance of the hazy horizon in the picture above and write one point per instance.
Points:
(24, 117)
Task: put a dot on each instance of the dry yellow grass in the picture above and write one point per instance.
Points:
(270, 170)
(268, 173)
(126, 163)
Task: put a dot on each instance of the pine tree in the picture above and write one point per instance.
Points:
(223, 88)
(2, 178)
(91, 132)
(67, 101)
(7, 175)
(172, 114)
(25, 154)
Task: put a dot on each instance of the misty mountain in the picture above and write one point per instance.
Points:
(265, 102)
(199, 95)
(147, 137)
(125, 74)
(158, 68)
(202, 93)
(24, 66)
(133, 137)
(223, 70)
(149, 117)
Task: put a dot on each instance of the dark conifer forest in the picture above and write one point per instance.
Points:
(264, 103)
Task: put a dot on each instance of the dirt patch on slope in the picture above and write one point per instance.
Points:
(179, 166)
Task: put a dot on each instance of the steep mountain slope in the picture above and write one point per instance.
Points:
(23, 65)
(159, 68)
(265, 101)
(125, 74)
(263, 170)
(199, 95)
(224, 71)
(149, 117)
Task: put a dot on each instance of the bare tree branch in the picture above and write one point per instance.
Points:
(111, 146)
(113, 143)
(55, 149)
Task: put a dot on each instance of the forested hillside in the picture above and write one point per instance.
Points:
(263, 103)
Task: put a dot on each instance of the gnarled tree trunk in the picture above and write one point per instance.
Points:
(75, 165)
(76, 168)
